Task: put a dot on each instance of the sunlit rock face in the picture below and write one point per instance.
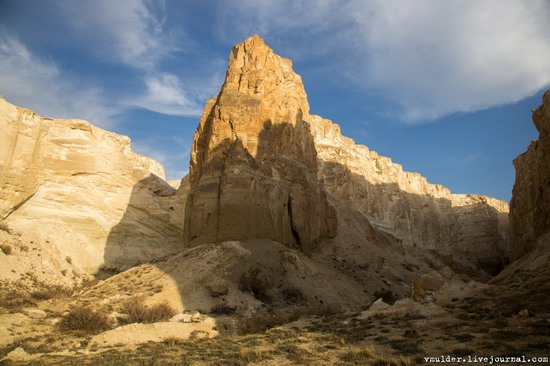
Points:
(82, 192)
(530, 204)
(253, 168)
(407, 206)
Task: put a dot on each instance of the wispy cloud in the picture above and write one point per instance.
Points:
(32, 82)
(166, 94)
(126, 31)
(430, 58)
(133, 33)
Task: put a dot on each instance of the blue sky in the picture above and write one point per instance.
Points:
(443, 87)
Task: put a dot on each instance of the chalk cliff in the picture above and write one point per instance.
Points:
(82, 192)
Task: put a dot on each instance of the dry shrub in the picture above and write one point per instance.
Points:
(15, 299)
(86, 320)
(6, 228)
(292, 295)
(6, 249)
(51, 292)
(138, 312)
(173, 341)
(386, 295)
(223, 308)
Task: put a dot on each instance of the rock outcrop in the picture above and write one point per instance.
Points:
(81, 192)
(253, 169)
(258, 159)
(407, 206)
(530, 204)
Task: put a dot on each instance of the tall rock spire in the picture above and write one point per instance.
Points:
(253, 167)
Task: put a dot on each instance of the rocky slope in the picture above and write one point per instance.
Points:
(530, 204)
(79, 192)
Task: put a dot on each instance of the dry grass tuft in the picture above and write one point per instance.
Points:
(51, 292)
(138, 312)
(86, 319)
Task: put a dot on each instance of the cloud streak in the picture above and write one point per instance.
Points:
(430, 58)
(32, 82)
(124, 31)
(166, 94)
(133, 33)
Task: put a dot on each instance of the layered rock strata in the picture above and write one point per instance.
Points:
(530, 204)
(83, 191)
(406, 205)
(253, 169)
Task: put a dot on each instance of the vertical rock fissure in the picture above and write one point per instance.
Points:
(295, 235)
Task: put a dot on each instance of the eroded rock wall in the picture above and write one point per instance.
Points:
(406, 205)
(530, 204)
(83, 190)
(253, 169)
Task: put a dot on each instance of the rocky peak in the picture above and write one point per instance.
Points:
(253, 168)
(255, 70)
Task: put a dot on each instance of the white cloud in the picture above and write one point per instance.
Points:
(166, 94)
(126, 31)
(431, 58)
(133, 33)
(32, 82)
(440, 57)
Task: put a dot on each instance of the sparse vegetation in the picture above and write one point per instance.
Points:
(363, 355)
(138, 312)
(6, 228)
(292, 295)
(85, 319)
(386, 295)
(14, 299)
(51, 292)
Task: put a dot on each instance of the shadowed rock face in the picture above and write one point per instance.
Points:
(530, 204)
(409, 207)
(253, 168)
